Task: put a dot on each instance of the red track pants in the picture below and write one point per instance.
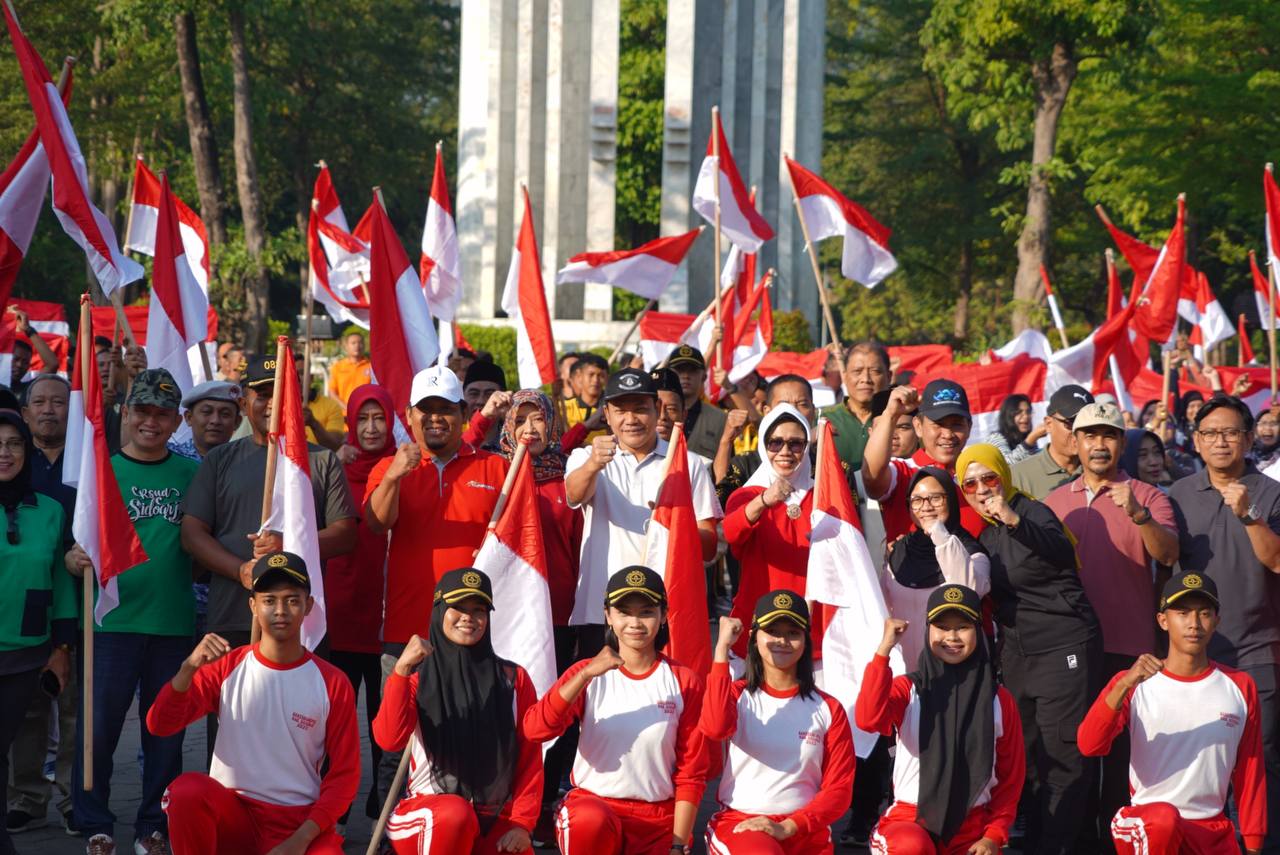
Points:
(587, 824)
(723, 840)
(441, 825)
(1158, 829)
(898, 833)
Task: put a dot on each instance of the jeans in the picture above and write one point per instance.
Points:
(16, 691)
(123, 662)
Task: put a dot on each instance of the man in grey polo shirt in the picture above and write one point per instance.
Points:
(1229, 527)
(1058, 462)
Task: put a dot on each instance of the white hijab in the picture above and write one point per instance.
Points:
(801, 480)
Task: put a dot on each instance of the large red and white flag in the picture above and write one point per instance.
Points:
(144, 214)
(739, 220)
(811, 366)
(178, 314)
(1212, 324)
(1156, 313)
(513, 556)
(440, 268)
(673, 545)
(988, 386)
(49, 320)
(1271, 195)
(646, 270)
(1261, 292)
(402, 338)
(100, 522)
(338, 260)
(82, 222)
(293, 504)
(842, 576)
(829, 213)
(524, 299)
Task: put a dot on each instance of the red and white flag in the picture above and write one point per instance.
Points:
(524, 299)
(178, 314)
(842, 576)
(82, 222)
(513, 556)
(1156, 313)
(811, 366)
(1246, 346)
(338, 260)
(1212, 323)
(739, 220)
(1261, 293)
(673, 544)
(1271, 195)
(1054, 311)
(829, 213)
(100, 522)
(439, 267)
(293, 504)
(144, 214)
(49, 320)
(646, 270)
(402, 338)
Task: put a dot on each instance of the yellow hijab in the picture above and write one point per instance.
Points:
(990, 457)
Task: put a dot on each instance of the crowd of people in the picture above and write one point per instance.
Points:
(1082, 650)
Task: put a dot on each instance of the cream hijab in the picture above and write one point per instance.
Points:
(801, 480)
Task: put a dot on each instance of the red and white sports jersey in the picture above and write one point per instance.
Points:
(639, 736)
(886, 702)
(786, 754)
(1190, 738)
(397, 724)
(895, 511)
(276, 726)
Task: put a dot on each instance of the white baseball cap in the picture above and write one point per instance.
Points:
(435, 382)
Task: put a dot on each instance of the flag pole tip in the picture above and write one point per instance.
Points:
(1269, 166)
(1182, 197)
(439, 145)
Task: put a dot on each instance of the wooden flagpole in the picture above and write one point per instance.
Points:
(1240, 349)
(89, 581)
(1271, 327)
(715, 152)
(1164, 383)
(273, 452)
(813, 259)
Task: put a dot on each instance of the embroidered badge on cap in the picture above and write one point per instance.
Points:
(946, 396)
(635, 577)
(782, 601)
(953, 595)
(471, 580)
(277, 561)
(1191, 580)
(628, 381)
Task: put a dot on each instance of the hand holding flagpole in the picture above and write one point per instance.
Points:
(273, 452)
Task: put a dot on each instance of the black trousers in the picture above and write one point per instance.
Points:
(364, 668)
(1113, 787)
(1054, 691)
(16, 691)
(559, 757)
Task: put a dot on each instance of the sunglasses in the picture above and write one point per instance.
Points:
(970, 485)
(795, 446)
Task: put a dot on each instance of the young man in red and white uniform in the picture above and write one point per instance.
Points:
(282, 713)
(788, 771)
(640, 768)
(960, 762)
(1194, 733)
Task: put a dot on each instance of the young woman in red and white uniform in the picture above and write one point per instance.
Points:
(789, 763)
(640, 768)
(1195, 733)
(958, 770)
(475, 782)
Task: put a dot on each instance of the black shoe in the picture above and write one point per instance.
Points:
(69, 825)
(20, 821)
(855, 837)
(1018, 831)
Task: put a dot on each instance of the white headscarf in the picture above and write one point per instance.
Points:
(801, 480)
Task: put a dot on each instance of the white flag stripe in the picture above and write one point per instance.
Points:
(526, 360)
(733, 221)
(522, 633)
(440, 244)
(23, 199)
(863, 260)
(293, 514)
(642, 274)
(141, 238)
(415, 321)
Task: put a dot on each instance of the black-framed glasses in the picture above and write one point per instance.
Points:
(1231, 435)
(795, 446)
(933, 500)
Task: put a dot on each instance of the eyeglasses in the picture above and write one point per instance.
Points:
(970, 485)
(795, 446)
(1231, 435)
(933, 500)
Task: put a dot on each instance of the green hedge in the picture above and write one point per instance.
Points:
(501, 342)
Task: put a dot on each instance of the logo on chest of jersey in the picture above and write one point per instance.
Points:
(809, 737)
(303, 722)
(1229, 719)
(478, 486)
(667, 707)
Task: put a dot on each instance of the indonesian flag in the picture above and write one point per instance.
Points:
(402, 338)
(1140, 256)
(1053, 301)
(49, 320)
(525, 301)
(178, 314)
(842, 575)
(1271, 194)
(646, 270)
(339, 266)
(1030, 341)
(1246, 346)
(739, 220)
(513, 556)
(1156, 313)
(1212, 323)
(439, 268)
(988, 386)
(145, 214)
(1261, 293)
(82, 222)
(828, 213)
(809, 365)
(673, 544)
(293, 504)
(662, 332)
(100, 522)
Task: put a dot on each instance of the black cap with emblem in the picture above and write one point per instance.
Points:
(259, 370)
(954, 598)
(456, 585)
(686, 355)
(1187, 584)
(1068, 400)
(635, 580)
(666, 380)
(781, 604)
(630, 381)
(287, 567)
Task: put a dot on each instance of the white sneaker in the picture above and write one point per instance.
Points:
(100, 844)
(153, 844)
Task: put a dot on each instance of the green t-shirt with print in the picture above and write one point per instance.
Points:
(155, 597)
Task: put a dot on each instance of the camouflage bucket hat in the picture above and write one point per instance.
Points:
(155, 387)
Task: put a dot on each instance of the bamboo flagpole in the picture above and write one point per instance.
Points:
(715, 152)
(84, 352)
(1240, 349)
(813, 259)
(1271, 327)
(273, 452)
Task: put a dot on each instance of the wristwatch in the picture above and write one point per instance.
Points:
(1251, 516)
(682, 848)
(1143, 517)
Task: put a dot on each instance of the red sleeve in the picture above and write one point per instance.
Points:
(1102, 724)
(882, 699)
(526, 791)
(573, 437)
(692, 754)
(1249, 778)
(719, 719)
(737, 528)
(342, 745)
(397, 714)
(375, 478)
(476, 429)
(1011, 768)
(174, 710)
(836, 790)
(552, 714)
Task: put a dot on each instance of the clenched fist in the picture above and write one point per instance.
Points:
(408, 458)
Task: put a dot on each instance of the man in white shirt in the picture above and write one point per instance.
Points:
(615, 481)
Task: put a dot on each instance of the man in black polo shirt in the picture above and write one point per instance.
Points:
(703, 422)
(1229, 528)
(1058, 462)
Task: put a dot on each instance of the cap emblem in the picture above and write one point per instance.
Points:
(277, 561)
(946, 396)
(782, 601)
(471, 580)
(953, 595)
(635, 578)
(1191, 580)
(628, 381)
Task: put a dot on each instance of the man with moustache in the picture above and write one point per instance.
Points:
(866, 372)
(1122, 527)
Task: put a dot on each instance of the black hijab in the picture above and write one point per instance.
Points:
(467, 719)
(957, 735)
(913, 559)
(18, 488)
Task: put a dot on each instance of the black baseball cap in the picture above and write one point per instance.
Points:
(485, 372)
(630, 381)
(954, 598)
(943, 398)
(1068, 401)
(781, 604)
(635, 580)
(281, 566)
(456, 585)
(1188, 583)
(259, 370)
(666, 380)
(686, 355)
(880, 401)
